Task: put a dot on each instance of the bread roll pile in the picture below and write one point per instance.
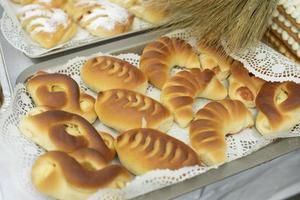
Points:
(78, 157)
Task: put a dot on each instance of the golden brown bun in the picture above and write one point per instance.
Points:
(45, 25)
(279, 108)
(243, 86)
(181, 90)
(160, 56)
(63, 131)
(143, 150)
(100, 18)
(124, 110)
(60, 92)
(212, 123)
(214, 58)
(106, 72)
(59, 175)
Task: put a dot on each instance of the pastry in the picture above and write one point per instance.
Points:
(123, 109)
(212, 123)
(61, 176)
(100, 18)
(286, 27)
(106, 72)
(160, 56)
(215, 59)
(145, 10)
(63, 131)
(243, 86)
(143, 150)
(59, 91)
(45, 25)
(51, 3)
(180, 91)
(279, 108)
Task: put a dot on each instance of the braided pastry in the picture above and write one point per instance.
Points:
(59, 91)
(143, 150)
(215, 59)
(47, 26)
(279, 108)
(105, 73)
(180, 91)
(160, 56)
(100, 18)
(124, 109)
(243, 86)
(75, 177)
(63, 131)
(212, 123)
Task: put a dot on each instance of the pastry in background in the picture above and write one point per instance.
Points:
(284, 33)
(51, 3)
(100, 18)
(143, 150)
(160, 56)
(61, 92)
(106, 72)
(123, 110)
(63, 131)
(212, 123)
(181, 90)
(47, 26)
(75, 176)
(278, 107)
(243, 86)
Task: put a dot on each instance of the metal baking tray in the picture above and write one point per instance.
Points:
(135, 45)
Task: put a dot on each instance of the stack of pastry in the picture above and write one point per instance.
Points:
(284, 33)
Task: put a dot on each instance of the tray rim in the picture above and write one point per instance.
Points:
(270, 152)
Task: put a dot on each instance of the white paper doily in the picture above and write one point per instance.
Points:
(26, 152)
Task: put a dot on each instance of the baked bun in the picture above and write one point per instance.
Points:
(61, 176)
(106, 72)
(279, 108)
(180, 91)
(63, 131)
(60, 92)
(45, 25)
(212, 123)
(215, 59)
(124, 110)
(160, 56)
(143, 150)
(100, 18)
(243, 86)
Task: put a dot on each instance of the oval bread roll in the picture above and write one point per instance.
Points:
(63, 131)
(180, 91)
(279, 108)
(143, 150)
(212, 123)
(106, 72)
(60, 92)
(124, 109)
(66, 177)
(160, 56)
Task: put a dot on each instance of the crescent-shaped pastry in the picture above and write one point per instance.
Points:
(212, 123)
(243, 86)
(143, 150)
(75, 176)
(181, 90)
(100, 18)
(124, 110)
(63, 131)
(47, 26)
(60, 92)
(106, 72)
(160, 56)
(279, 108)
